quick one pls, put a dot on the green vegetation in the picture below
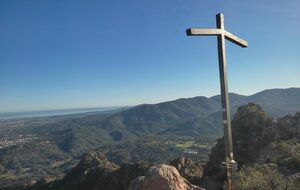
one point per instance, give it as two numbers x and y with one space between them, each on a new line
264 177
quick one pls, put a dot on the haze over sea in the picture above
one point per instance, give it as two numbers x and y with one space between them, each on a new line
44 113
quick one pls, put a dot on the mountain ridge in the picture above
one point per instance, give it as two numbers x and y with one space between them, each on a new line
165 116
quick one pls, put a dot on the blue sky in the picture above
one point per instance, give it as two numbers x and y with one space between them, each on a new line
58 54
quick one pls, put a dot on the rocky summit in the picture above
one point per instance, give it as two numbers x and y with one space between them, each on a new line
96 172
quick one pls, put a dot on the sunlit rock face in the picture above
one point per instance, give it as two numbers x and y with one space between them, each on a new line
162 177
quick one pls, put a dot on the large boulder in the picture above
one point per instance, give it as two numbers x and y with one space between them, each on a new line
162 177
248 126
94 171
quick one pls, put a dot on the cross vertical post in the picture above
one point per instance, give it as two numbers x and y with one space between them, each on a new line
222 34
225 101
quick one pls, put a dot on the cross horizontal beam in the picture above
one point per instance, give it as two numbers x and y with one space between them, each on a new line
214 32
234 39
203 32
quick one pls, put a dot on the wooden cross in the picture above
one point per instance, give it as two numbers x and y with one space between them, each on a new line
222 34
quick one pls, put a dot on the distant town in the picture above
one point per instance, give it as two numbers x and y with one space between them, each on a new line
6 141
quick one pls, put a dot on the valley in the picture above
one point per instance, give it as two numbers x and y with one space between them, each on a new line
46 148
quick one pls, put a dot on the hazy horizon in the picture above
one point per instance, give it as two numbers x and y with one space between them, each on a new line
121 106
